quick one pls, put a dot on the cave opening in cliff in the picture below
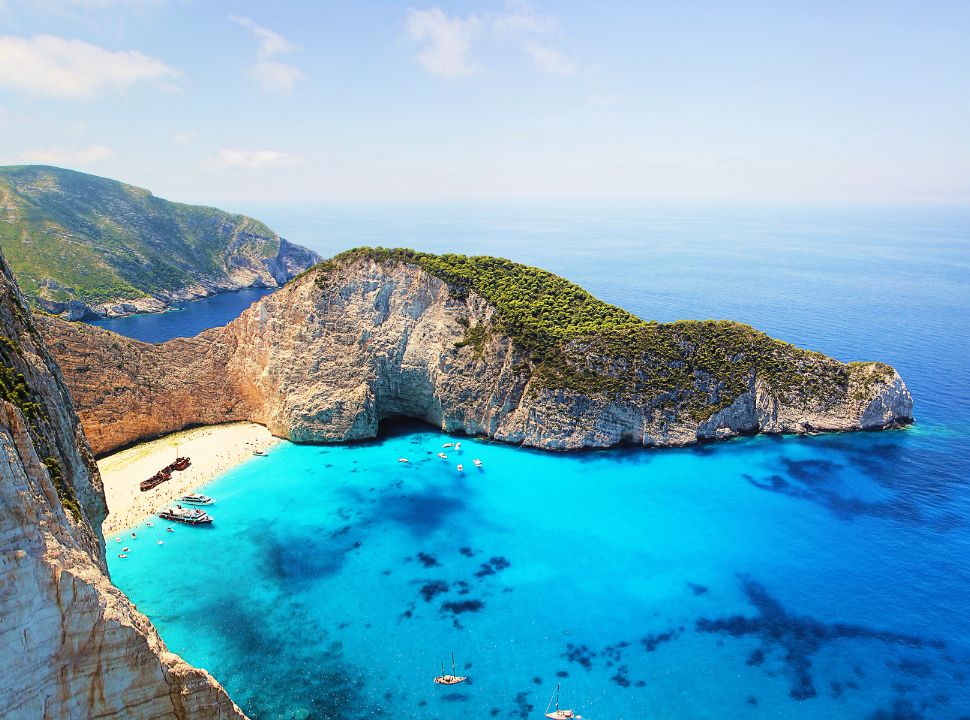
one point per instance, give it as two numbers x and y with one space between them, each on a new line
400 425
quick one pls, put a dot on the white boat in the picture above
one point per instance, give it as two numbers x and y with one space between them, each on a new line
448 445
442 456
259 453
457 446
558 714
197 499
188 516
403 460
451 679
461 468
478 463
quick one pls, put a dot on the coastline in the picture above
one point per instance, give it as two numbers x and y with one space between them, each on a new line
213 449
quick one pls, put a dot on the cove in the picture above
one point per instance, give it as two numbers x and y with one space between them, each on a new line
185 319
764 577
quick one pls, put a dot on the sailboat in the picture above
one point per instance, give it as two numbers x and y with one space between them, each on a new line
558 714
452 679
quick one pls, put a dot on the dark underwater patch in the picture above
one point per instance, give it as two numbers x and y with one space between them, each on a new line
697 589
522 705
652 642
432 589
582 655
798 637
459 607
493 566
427 560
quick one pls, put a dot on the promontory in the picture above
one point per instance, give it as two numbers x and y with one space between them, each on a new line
84 246
475 345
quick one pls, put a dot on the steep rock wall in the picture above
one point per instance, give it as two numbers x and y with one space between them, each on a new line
71 644
343 347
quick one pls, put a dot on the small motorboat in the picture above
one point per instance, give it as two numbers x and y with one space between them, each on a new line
452 679
403 460
457 446
558 714
122 556
259 453
448 445
187 516
478 463
461 468
442 456
197 499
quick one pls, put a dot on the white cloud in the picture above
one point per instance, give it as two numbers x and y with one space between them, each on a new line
56 66
63 156
448 41
274 76
269 73
550 60
233 158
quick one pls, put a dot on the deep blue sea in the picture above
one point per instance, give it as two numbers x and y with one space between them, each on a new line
822 577
185 319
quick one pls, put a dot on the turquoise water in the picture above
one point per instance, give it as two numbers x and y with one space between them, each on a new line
814 577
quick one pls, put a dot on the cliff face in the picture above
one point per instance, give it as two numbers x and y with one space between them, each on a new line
367 337
71 644
83 245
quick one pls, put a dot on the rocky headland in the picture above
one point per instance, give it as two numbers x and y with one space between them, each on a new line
476 345
71 644
84 246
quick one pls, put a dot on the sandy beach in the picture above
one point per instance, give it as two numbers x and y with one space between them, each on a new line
213 450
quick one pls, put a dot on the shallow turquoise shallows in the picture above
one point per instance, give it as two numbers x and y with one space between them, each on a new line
765 578
824 577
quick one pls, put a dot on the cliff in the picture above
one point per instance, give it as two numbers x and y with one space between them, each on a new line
476 345
82 245
71 644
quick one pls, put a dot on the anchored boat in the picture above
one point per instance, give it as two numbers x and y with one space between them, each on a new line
197 499
187 516
558 714
478 463
452 679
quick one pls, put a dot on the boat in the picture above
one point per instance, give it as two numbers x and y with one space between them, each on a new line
259 453
452 679
403 460
448 445
442 456
197 499
188 516
558 714
478 463
155 480
461 468
181 463
457 446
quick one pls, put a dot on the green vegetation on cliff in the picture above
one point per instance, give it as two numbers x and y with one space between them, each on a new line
579 343
72 236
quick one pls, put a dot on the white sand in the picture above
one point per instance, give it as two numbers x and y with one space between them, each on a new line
213 450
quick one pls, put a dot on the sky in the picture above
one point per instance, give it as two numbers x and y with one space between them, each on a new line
228 102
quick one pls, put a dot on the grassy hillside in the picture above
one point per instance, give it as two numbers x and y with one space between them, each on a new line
68 235
578 342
